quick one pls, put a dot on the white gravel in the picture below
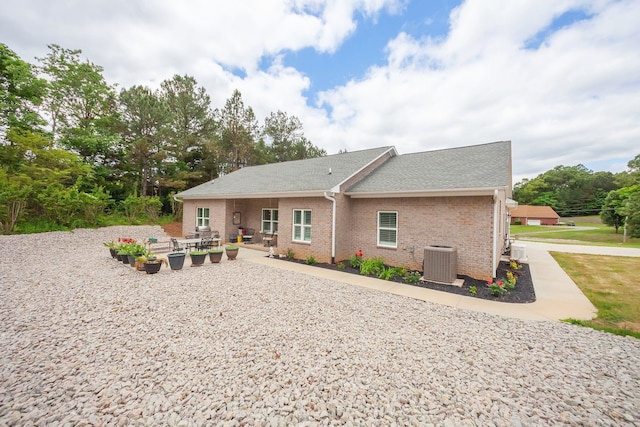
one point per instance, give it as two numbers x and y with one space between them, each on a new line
86 340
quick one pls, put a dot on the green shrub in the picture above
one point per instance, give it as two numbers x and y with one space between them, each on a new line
311 260
391 272
341 266
412 277
290 254
372 266
355 261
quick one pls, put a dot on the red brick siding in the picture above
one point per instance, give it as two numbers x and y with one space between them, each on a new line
465 223
217 213
320 245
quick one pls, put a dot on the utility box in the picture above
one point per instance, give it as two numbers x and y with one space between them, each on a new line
440 264
518 251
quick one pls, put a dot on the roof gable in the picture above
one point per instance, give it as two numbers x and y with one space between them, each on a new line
479 167
298 177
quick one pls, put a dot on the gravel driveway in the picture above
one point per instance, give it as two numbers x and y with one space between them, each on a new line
86 340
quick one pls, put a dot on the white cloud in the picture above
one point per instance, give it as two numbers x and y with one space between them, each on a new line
574 99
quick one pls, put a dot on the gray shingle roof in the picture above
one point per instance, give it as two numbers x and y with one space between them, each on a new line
475 167
298 176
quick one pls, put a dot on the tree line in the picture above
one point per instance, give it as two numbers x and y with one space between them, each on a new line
73 147
578 191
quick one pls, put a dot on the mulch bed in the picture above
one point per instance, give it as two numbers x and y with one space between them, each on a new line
523 292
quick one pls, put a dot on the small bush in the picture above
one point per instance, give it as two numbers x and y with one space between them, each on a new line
412 277
341 266
311 260
391 272
372 266
497 288
356 260
473 290
290 254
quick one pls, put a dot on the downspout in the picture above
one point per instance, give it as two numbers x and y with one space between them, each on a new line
496 206
333 225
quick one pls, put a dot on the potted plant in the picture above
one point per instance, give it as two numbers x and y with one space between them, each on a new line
122 248
215 255
176 260
197 257
232 252
112 248
150 263
133 250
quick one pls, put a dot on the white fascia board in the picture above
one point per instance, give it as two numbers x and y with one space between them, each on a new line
391 150
282 195
429 193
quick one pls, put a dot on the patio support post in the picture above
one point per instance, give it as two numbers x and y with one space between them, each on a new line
333 225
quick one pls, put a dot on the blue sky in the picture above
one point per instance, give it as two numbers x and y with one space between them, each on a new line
366 47
557 78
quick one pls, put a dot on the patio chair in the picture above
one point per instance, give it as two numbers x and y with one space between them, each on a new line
205 244
269 239
175 246
248 235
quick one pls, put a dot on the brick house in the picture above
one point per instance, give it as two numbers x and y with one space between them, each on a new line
534 215
385 204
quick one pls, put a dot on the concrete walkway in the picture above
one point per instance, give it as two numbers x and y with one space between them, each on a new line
557 296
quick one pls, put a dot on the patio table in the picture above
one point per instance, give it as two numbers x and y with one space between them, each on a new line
193 243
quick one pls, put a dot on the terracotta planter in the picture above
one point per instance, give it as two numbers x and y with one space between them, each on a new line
215 257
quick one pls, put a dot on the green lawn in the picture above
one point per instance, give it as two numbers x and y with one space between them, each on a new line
612 285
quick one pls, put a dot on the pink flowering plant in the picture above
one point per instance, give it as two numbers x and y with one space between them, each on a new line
497 288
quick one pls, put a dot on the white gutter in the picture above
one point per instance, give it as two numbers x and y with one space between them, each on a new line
175 197
333 225
496 206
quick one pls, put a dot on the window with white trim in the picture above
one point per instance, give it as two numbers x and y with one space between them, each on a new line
202 217
388 229
301 225
269 220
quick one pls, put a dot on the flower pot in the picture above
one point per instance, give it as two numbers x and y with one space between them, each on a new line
118 257
132 260
112 252
152 267
124 258
197 258
176 260
215 257
232 253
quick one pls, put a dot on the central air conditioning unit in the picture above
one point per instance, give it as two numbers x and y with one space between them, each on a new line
440 264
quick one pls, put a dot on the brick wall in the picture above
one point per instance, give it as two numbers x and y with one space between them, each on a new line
217 215
320 245
465 223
